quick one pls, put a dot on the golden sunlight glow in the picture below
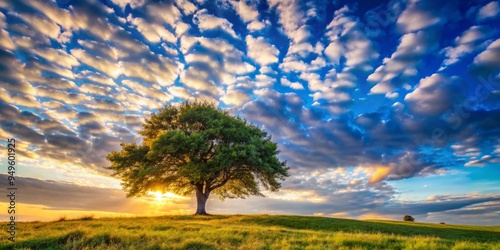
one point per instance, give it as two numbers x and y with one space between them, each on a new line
294 195
160 197
374 216
379 174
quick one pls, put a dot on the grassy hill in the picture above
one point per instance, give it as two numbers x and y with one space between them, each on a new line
248 232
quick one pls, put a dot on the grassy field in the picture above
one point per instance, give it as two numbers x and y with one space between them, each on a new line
248 232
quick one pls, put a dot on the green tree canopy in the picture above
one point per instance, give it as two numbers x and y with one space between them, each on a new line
408 218
195 147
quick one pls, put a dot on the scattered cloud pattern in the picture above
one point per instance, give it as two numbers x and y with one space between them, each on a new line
383 108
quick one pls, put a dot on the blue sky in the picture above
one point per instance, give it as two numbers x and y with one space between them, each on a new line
381 108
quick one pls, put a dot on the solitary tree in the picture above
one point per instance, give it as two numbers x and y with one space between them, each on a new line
408 218
195 147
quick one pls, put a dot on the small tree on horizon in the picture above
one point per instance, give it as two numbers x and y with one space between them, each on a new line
195 147
408 218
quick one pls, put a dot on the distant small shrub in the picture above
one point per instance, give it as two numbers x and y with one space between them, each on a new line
86 217
408 218
62 218
442 223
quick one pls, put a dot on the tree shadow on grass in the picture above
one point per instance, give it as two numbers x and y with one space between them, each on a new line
356 226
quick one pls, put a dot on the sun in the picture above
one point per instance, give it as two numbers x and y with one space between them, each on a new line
157 196
160 197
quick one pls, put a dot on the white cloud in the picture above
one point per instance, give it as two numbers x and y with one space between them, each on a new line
95 89
301 49
453 54
414 18
205 70
359 52
56 83
206 21
332 96
153 32
62 96
54 69
411 49
432 95
246 12
235 98
3 24
4 95
257 25
348 39
264 81
382 88
104 66
96 78
261 51
58 56
26 42
133 3
164 12
334 51
293 63
186 6
489 11
472 35
267 70
102 50
28 101
181 28
59 15
5 41
65 37
76 18
134 102
199 79
465 44
314 82
392 95
104 105
154 69
319 62
479 162
489 57
180 92
42 25
293 22
292 19
293 85
203 58
146 91
187 42
340 80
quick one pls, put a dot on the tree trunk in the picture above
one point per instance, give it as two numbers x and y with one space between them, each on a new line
201 200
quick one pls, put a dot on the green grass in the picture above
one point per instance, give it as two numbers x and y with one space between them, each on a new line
248 232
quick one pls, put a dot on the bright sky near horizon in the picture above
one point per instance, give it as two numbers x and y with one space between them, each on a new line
381 108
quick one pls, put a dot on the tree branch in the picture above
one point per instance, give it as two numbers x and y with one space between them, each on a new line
226 178
204 156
